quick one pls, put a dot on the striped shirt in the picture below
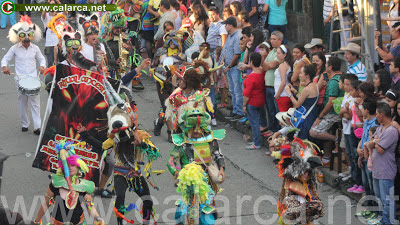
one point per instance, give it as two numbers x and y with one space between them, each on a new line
327 8
358 69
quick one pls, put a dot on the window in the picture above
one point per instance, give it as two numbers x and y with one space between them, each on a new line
296 6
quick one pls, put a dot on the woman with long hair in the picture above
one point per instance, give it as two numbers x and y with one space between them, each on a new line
306 98
256 38
284 56
319 60
236 7
200 23
382 82
299 54
277 19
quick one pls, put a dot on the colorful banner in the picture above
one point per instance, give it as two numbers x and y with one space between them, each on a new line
78 98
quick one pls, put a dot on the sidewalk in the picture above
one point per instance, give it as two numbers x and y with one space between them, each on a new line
257 157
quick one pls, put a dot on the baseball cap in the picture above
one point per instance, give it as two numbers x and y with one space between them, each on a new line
231 20
186 23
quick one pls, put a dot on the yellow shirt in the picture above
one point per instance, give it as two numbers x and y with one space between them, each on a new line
156 5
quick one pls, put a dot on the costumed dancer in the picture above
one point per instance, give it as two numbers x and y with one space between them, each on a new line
121 41
67 190
172 51
134 153
26 54
92 49
299 201
196 143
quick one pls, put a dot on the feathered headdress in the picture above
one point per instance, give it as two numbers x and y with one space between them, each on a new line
296 159
25 26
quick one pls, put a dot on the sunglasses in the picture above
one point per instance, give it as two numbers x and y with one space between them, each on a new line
22 35
71 43
87 24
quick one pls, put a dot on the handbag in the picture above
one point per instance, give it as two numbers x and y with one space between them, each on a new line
357 131
212 169
300 114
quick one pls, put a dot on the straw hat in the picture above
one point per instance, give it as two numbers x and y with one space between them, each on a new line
314 42
282 116
352 47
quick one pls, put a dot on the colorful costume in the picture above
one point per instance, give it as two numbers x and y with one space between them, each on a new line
195 155
77 188
130 157
129 58
299 202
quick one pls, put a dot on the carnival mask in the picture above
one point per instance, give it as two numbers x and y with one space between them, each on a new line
117 18
72 41
89 26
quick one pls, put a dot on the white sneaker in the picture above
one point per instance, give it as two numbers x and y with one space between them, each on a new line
214 122
345 174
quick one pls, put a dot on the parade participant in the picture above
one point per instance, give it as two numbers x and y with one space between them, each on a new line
196 143
116 45
67 190
173 50
26 54
299 201
189 87
120 46
132 149
92 49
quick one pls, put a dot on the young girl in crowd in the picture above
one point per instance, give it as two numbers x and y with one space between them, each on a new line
284 56
236 7
222 84
226 13
391 98
355 137
382 83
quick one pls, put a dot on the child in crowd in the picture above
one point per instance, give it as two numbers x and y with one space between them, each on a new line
284 122
226 13
369 114
264 49
355 135
173 47
242 46
222 83
205 49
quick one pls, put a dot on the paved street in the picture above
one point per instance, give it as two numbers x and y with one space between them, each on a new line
250 190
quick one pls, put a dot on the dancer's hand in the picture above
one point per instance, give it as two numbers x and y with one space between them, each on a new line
99 221
6 70
222 173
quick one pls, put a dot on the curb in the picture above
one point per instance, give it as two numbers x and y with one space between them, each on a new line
331 177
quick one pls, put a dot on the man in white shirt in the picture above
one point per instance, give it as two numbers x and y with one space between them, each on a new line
51 38
92 49
26 54
354 64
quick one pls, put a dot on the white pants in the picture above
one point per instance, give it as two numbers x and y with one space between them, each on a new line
34 102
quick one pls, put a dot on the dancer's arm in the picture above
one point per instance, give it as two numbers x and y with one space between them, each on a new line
92 210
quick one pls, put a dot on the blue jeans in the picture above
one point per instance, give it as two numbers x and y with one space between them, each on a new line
212 96
367 182
352 155
384 191
256 117
281 28
235 87
4 19
272 108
